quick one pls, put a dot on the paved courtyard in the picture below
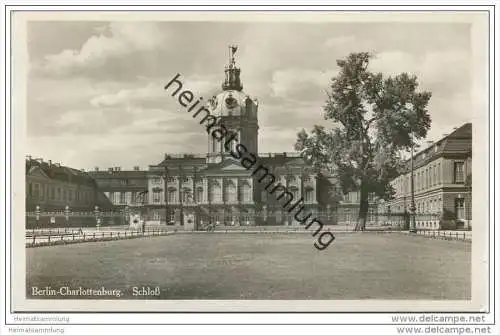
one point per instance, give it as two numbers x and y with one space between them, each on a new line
260 266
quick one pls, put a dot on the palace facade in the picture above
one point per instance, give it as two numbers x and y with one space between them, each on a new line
219 187
216 185
54 187
442 184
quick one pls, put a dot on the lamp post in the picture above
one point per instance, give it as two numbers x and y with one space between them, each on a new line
412 191
165 187
66 214
37 216
97 219
181 195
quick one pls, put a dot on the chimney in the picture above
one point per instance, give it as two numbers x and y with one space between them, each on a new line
82 170
50 162
455 128
28 157
96 169
110 169
136 168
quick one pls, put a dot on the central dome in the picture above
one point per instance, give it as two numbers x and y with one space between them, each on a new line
230 102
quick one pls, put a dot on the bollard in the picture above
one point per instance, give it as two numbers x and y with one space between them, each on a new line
73 236
48 239
34 239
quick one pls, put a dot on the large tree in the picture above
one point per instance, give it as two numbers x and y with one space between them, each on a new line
375 118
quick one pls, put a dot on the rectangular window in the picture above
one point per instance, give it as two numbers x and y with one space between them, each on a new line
70 195
459 172
199 195
308 195
122 197
439 178
460 208
172 196
42 192
427 177
156 197
435 170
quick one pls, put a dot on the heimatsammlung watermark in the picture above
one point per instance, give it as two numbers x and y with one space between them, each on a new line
249 161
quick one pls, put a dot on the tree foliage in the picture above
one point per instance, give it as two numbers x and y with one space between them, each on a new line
374 119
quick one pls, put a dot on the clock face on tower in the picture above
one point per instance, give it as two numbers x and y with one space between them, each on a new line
231 102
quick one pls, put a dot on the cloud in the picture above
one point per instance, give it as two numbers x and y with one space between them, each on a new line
96 97
443 72
118 40
301 84
340 41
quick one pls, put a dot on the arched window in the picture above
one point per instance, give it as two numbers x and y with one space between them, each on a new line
215 192
186 194
295 192
245 192
308 194
172 195
199 194
230 192
214 144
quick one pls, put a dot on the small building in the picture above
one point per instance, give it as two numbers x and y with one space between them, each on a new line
122 187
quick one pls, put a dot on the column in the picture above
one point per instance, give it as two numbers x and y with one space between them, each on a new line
179 188
313 178
205 189
238 193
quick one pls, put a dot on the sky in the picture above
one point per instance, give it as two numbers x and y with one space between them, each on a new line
95 89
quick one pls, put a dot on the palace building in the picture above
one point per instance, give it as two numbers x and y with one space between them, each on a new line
442 184
54 187
218 188
217 184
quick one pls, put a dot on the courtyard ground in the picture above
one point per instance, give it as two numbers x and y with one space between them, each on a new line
260 266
